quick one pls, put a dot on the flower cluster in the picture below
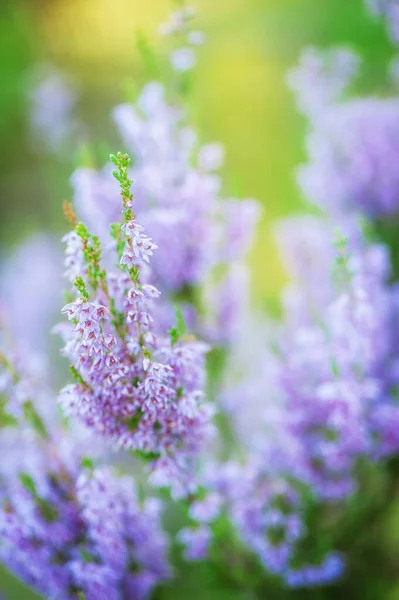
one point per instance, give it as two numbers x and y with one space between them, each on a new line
321 78
53 100
351 146
67 527
321 401
74 532
351 143
140 389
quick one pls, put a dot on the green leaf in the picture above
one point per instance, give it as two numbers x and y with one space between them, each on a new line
87 463
81 287
179 329
28 483
87 557
146 456
35 420
76 375
181 325
134 421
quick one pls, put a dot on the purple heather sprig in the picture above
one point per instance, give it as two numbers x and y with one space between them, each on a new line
321 78
351 142
80 532
141 390
53 99
30 292
351 148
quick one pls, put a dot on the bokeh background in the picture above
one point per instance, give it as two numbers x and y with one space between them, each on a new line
239 97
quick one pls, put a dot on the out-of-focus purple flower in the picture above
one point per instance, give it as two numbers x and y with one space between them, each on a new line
240 218
211 157
321 78
29 291
205 511
306 247
335 366
178 21
183 59
228 301
322 399
389 11
353 151
329 570
94 198
53 101
196 542
66 532
351 143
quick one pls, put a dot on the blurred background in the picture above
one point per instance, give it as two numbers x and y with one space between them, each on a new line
239 98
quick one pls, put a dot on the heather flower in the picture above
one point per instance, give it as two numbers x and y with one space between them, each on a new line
229 301
351 142
322 399
140 389
29 294
178 21
306 248
80 533
183 59
335 369
211 157
206 510
70 529
140 246
329 571
53 100
351 148
196 542
73 262
321 78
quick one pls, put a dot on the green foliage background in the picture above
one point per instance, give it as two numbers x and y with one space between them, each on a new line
239 97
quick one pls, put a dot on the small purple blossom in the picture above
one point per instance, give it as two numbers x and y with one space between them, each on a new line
183 59
53 99
205 511
196 542
321 78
